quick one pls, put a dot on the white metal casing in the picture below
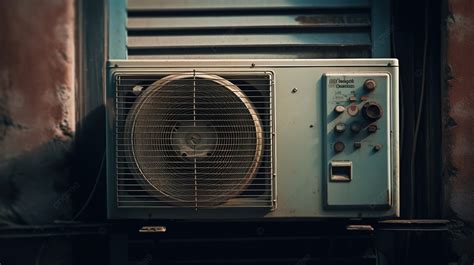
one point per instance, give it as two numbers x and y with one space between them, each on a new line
303 139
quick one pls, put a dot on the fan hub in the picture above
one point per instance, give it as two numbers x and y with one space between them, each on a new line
194 139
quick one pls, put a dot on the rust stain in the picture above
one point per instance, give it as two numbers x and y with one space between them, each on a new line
324 20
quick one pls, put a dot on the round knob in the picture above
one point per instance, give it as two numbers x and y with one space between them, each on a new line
356 127
339 109
339 146
372 111
370 84
372 128
340 127
353 110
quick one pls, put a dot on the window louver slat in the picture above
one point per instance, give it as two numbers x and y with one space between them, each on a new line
222 4
296 21
248 29
287 40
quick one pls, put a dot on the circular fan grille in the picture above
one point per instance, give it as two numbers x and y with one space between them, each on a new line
195 138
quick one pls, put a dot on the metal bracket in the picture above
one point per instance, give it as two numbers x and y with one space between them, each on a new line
54 230
423 225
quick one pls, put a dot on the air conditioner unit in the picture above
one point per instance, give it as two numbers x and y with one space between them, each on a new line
252 139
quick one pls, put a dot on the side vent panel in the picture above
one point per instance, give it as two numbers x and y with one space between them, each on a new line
194 140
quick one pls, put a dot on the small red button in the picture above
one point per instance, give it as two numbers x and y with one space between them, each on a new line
353 110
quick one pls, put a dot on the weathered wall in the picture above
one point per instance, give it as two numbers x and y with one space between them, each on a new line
36 109
460 125
461 100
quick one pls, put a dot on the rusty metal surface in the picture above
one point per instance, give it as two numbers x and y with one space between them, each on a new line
52 230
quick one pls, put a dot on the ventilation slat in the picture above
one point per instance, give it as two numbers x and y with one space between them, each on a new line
139 5
285 40
249 22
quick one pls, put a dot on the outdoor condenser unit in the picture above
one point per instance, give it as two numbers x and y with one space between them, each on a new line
252 139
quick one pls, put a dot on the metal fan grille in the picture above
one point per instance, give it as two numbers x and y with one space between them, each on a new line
195 140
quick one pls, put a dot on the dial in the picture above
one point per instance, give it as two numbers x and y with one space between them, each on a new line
370 85
372 111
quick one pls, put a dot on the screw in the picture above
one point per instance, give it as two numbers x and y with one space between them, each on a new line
311 126
377 147
137 90
252 65
294 90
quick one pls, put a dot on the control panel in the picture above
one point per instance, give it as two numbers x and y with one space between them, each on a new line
357 140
